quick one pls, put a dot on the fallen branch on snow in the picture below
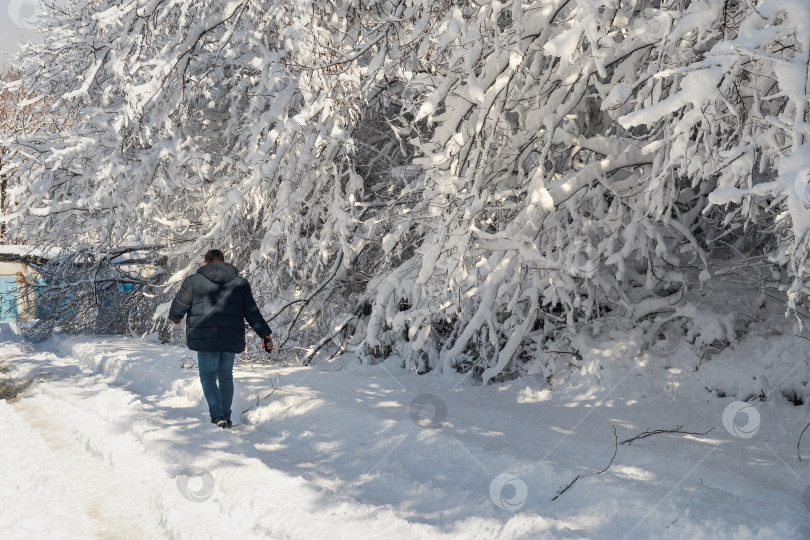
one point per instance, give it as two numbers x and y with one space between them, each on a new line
798 451
615 451
258 399
679 429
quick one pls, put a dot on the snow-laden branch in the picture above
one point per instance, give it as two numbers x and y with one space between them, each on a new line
492 178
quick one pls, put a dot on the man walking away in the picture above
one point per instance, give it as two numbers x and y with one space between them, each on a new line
218 301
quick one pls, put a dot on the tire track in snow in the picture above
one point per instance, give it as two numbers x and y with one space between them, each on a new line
95 487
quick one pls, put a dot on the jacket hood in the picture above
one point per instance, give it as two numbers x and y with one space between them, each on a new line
218 272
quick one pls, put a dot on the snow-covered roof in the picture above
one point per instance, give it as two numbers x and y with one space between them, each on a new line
21 251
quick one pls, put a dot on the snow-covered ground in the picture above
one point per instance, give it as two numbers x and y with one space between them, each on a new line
109 438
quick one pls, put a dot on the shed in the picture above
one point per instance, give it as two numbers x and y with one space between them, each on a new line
16 301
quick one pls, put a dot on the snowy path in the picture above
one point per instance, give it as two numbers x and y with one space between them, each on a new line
100 445
94 486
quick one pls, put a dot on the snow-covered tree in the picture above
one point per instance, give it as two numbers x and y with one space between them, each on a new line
18 118
469 185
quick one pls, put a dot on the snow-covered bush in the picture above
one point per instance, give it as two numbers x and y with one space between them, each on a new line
465 184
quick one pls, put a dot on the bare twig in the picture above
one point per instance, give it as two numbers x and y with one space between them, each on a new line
615 451
798 452
566 488
679 429
259 399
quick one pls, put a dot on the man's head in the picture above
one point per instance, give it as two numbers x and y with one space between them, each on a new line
214 255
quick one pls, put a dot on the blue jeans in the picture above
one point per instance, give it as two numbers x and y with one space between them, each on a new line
215 366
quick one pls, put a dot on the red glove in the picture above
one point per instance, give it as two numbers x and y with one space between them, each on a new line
175 322
267 344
